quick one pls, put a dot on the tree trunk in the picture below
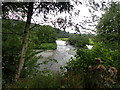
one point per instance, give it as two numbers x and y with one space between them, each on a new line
25 40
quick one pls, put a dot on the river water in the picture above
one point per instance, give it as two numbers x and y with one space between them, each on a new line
62 55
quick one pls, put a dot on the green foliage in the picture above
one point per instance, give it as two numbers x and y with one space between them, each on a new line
79 40
31 66
52 80
12 43
108 33
64 39
109 26
91 41
11 47
62 34
73 39
42 34
83 69
48 46
49 80
85 58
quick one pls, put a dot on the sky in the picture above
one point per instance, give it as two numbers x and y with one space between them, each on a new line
78 18
75 19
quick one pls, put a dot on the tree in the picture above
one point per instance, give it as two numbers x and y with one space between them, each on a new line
28 7
42 34
11 47
25 39
109 26
108 30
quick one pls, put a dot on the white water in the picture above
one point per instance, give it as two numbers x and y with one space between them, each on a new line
89 46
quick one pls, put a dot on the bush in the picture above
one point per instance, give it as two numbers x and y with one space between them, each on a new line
79 40
86 58
51 80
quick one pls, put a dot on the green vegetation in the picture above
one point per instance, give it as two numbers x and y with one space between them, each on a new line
109 26
100 66
11 48
48 46
64 39
39 81
41 37
94 68
62 34
51 80
81 40
91 41
108 33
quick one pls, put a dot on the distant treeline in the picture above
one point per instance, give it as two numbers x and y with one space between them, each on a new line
81 40
62 34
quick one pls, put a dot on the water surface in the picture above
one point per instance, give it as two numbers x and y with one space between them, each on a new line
62 54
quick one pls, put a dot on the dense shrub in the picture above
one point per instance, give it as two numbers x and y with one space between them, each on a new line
79 40
106 48
86 58
50 80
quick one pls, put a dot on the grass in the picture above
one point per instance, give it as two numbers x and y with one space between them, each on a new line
51 80
64 39
39 81
48 46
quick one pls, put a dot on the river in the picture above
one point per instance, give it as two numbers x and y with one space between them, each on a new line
62 54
